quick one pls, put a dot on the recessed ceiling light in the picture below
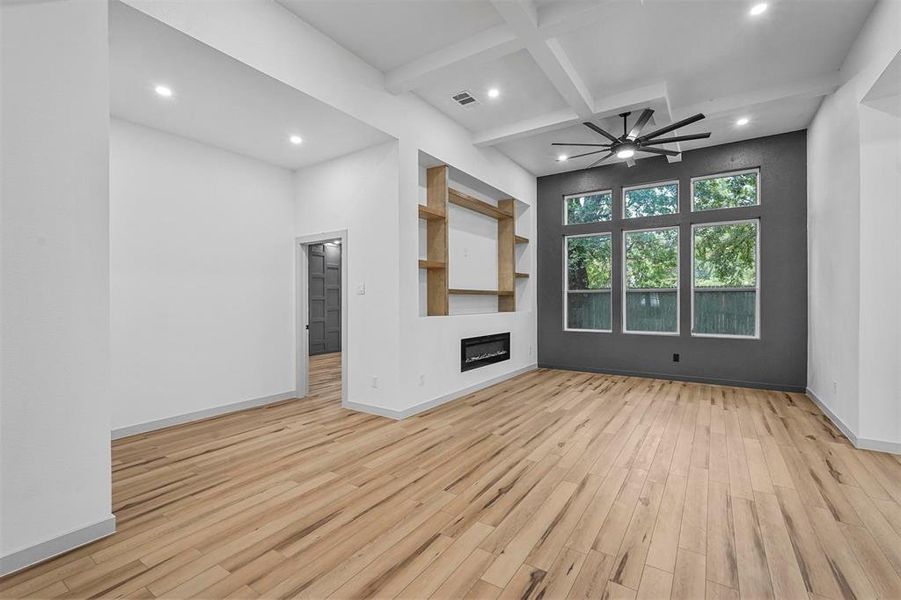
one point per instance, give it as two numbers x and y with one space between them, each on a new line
296 140
743 121
562 157
162 90
494 93
759 9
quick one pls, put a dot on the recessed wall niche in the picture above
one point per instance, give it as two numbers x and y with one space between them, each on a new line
472 244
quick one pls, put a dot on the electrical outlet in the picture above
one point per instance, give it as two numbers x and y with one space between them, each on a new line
835 388
675 357
421 379
375 382
361 289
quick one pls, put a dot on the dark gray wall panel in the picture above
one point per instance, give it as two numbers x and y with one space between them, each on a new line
778 359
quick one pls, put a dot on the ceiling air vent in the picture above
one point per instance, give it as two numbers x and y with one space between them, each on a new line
464 98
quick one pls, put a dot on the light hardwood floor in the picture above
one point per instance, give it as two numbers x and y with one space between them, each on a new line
325 375
552 484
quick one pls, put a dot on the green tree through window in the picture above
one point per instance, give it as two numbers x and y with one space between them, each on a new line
652 259
726 255
589 266
728 191
725 279
652 280
589 262
660 199
589 208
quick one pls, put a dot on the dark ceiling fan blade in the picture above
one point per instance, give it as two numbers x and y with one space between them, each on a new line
597 129
642 120
680 138
659 151
580 144
600 160
586 154
672 127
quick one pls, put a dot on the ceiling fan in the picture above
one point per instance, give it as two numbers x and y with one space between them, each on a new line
631 141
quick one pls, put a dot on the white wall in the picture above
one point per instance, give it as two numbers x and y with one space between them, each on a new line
833 232
430 372
358 193
304 58
54 273
202 276
848 222
880 274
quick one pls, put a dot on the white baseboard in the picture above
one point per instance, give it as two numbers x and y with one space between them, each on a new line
370 409
430 404
20 559
206 413
862 443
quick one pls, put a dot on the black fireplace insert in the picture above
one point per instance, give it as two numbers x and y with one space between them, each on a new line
484 350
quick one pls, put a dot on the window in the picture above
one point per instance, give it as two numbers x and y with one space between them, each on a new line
725 191
652 280
650 200
725 278
588 208
589 264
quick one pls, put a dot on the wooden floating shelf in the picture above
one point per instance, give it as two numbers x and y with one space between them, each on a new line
432 264
428 214
474 204
436 262
435 214
459 292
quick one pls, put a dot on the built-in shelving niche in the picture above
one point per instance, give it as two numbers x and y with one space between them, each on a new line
473 254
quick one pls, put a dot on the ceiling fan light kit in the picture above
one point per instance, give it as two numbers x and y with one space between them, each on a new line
631 141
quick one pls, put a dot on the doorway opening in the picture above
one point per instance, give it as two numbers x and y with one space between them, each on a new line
322 316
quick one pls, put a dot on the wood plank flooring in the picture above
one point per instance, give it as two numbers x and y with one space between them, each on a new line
325 375
553 484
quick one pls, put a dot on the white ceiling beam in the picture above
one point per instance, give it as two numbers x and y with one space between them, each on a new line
655 96
649 96
564 19
564 77
547 122
484 46
548 55
488 45
815 87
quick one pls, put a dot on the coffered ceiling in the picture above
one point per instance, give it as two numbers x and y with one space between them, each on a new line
556 63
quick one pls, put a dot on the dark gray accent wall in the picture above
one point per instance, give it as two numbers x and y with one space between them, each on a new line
778 359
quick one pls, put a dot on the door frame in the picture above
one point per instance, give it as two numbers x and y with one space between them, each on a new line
302 366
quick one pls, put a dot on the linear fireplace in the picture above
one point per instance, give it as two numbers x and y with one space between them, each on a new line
484 350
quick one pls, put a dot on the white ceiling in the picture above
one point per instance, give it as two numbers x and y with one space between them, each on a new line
710 49
886 92
516 74
218 100
389 33
560 62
